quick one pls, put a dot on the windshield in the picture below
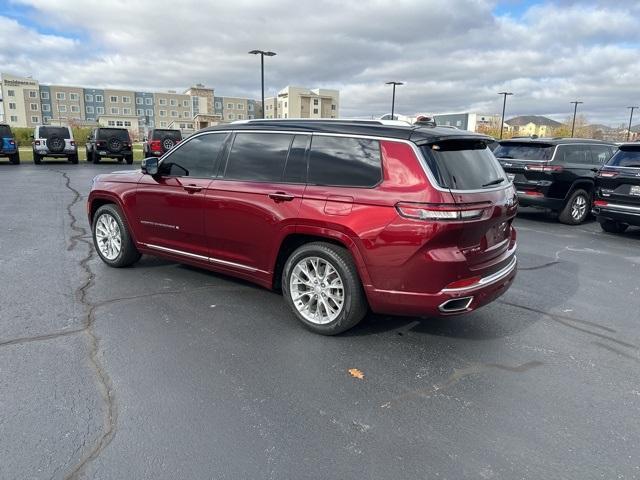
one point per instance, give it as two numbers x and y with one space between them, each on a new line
463 165
524 151
161 134
119 133
5 131
627 156
48 132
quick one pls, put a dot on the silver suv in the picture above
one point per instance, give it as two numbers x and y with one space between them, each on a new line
54 142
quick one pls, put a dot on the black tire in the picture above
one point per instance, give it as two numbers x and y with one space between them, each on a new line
119 160
611 226
74 159
87 155
129 159
167 143
95 158
575 216
37 159
355 303
114 145
128 254
15 159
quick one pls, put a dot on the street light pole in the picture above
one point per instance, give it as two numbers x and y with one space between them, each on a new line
630 120
393 96
262 54
504 107
575 110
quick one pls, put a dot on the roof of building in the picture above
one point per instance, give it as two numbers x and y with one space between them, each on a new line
535 119
379 128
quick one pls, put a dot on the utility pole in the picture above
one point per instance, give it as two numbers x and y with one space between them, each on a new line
504 107
393 96
262 54
575 110
630 120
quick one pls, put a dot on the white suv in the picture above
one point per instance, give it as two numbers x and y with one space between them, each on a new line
54 142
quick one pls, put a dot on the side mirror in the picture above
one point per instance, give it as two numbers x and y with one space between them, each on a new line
149 166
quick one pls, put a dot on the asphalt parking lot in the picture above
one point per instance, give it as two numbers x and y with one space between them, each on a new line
165 371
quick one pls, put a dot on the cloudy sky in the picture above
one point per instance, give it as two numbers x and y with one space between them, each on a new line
453 55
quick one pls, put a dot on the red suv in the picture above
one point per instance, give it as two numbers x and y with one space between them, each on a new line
341 216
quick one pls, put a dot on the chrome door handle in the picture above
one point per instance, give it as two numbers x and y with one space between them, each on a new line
281 197
192 188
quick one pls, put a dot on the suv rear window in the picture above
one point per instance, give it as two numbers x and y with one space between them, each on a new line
345 162
48 132
626 156
524 151
160 134
119 133
5 131
463 165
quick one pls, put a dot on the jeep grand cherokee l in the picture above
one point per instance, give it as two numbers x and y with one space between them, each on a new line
557 174
160 141
54 142
341 216
617 199
109 143
8 145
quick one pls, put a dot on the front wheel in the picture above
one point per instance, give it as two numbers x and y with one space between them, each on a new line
576 209
611 226
112 239
36 158
129 159
74 159
95 158
14 159
321 285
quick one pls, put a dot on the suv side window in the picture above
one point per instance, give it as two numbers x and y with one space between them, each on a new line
295 170
600 154
258 157
341 161
197 157
573 154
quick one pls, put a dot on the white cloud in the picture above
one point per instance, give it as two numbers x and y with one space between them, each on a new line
452 55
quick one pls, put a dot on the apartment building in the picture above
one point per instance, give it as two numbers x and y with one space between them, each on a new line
528 125
171 106
300 102
20 101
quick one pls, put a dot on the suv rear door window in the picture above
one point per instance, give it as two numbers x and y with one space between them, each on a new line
577 154
600 154
258 157
464 165
524 151
5 131
196 157
347 162
119 133
627 156
48 132
296 169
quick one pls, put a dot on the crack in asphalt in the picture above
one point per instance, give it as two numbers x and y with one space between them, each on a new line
540 267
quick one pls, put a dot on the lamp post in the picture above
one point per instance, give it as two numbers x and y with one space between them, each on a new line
630 120
262 54
575 110
393 96
504 107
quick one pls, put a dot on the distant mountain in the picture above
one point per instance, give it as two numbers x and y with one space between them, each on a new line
536 119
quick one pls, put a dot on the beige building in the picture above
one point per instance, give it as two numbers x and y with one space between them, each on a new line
20 102
300 102
171 107
120 103
528 125
67 103
117 121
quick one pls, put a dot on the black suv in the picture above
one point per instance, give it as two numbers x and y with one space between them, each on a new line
109 143
555 173
160 141
8 145
617 194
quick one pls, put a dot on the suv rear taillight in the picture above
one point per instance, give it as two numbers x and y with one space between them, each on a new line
73 144
101 143
12 142
156 145
607 173
37 142
543 168
441 212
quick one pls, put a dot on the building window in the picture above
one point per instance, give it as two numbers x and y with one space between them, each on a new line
126 111
240 106
240 116
75 108
173 102
14 118
99 98
186 115
315 110
100 110
151 123
174 113
230 106
89 109
333 107
45 119
60 96
35 119
88 97
250 107
163 101
44 95
149 112
62 108
46 107
285 115
185 103
285 104
11 93
163 124
139 112
34 107
127 123
73 97
139 100
218 105
182 125
315 101
163 113
126 99
115 111
119 123
230 116
113 99
12 106
111 123
148 101
33 94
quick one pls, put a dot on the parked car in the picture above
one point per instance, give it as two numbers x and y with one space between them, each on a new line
109 143
557 174
159 141
54 142
617 199
341 216
8 145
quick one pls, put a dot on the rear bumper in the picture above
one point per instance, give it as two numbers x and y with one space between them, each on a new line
618 212
108 154
469 298
534 199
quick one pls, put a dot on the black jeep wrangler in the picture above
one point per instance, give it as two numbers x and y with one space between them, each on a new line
109 143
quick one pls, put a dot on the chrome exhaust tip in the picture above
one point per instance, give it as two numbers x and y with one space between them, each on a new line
456 305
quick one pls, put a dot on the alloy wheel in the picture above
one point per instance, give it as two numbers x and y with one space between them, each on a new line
108 236
579 207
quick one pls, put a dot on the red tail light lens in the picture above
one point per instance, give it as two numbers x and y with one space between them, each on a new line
543 168
464 283
155 145
440 212
600 203
607 173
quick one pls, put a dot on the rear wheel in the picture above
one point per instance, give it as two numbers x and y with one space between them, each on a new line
611 226
321 285
129 159
95 158
36 158
74 158
15 158
112 239
576 209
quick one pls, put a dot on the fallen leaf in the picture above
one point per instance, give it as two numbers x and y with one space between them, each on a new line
354 372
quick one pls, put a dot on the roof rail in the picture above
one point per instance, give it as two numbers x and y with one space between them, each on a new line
401 123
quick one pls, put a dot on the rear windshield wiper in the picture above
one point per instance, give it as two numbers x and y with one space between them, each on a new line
505 156
493 182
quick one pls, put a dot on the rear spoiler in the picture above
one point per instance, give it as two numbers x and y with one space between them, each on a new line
439 138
